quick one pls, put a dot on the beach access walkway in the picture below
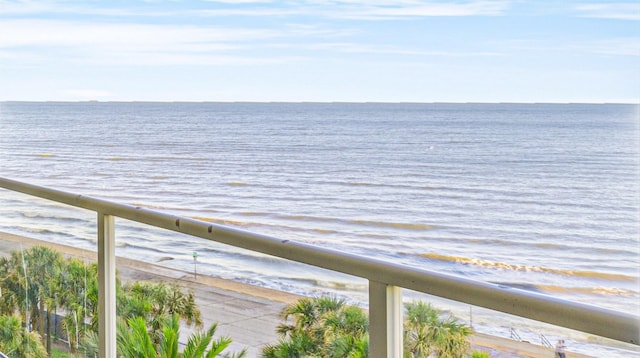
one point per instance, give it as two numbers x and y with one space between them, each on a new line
248 314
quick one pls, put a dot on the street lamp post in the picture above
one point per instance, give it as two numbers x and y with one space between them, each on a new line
195 264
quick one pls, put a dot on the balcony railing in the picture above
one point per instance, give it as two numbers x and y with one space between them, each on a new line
385 279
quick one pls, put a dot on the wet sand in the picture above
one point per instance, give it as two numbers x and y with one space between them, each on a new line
248 314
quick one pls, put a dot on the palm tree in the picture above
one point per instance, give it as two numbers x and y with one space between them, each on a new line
15 341
419 317
38 281
12 287
134 341
16 288
426 333
76 278
452 340
29 280
307 314
156 302
322 327
294 346
43 265
346 332
327 327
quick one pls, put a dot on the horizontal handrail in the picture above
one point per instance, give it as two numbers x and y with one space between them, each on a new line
579 316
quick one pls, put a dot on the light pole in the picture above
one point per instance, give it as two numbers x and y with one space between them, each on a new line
195 264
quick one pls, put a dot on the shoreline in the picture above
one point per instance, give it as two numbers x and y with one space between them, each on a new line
248 314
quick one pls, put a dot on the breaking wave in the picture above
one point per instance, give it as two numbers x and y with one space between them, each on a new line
527 268
581 290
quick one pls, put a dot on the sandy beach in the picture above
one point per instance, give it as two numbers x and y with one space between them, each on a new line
248 314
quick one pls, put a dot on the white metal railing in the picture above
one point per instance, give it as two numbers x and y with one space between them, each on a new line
385 279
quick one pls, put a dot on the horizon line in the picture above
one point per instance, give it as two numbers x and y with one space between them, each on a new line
313 102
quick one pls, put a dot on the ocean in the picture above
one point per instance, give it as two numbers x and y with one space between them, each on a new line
543 197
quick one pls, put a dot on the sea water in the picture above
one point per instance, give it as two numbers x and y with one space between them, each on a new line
543 197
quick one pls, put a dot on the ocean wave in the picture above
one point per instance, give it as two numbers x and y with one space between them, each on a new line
32 215
326 231
598 290
145 248
323 230
527 268
370 223
604 291
39 230
278 226
166 207
224 221
544 245
254 213
342 286
51 234
395 225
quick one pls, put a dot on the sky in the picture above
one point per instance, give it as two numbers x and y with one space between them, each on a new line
321 51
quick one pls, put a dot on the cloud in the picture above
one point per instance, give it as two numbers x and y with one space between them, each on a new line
78 33
133 44
346 47
398 9
240 1
351 9
612 47
619 11
27 7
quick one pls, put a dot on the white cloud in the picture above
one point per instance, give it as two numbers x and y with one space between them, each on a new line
612 47
23 7
620 11
26 7
134 44
396 9
64 48
353 9
347 47
240 1
76 33
623 46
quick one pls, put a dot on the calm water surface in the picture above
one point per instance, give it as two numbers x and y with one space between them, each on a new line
540 197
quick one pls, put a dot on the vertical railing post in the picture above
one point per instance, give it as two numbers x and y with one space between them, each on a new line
385 320
106 286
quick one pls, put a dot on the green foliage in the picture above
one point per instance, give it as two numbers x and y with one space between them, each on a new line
321 327
169 339
30 279
60 354
135 341
89 345
39 280
327 327
157 302
480 354
15 341
426 332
